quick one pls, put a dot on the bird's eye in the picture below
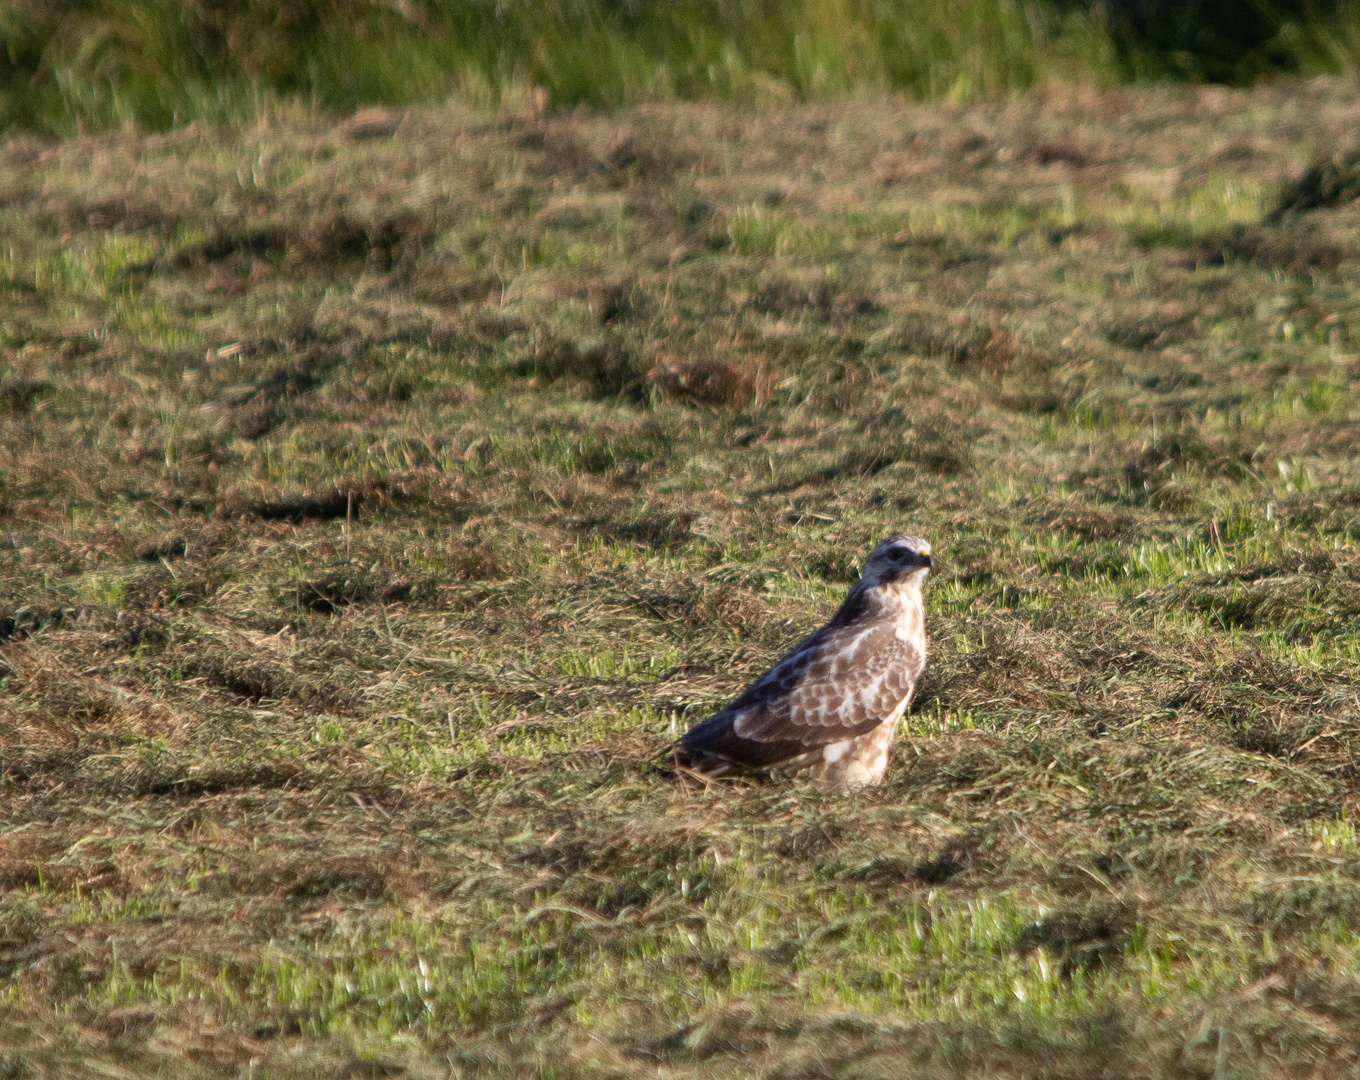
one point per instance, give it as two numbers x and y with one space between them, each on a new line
897 554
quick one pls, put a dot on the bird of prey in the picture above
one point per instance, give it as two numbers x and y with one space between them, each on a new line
832 705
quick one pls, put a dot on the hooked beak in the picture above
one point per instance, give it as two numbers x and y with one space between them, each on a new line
927 561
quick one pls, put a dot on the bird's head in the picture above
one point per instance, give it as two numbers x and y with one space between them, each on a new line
898 559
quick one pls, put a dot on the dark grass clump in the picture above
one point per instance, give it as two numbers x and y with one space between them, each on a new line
324 507
1332 182
170 548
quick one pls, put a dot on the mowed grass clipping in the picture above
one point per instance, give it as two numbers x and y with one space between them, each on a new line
379 500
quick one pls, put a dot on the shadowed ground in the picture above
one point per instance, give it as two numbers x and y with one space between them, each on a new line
379 499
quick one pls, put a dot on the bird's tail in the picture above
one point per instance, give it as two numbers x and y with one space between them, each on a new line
681 759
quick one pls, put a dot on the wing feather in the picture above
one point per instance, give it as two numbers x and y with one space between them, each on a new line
841 682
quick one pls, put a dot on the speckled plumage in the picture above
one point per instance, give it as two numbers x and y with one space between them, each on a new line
832 705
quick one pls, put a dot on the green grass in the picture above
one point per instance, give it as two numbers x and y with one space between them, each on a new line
70 66
77 65
378 508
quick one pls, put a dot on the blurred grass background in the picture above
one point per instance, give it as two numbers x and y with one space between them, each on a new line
85 65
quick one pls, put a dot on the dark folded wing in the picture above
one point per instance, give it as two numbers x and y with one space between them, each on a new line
843 681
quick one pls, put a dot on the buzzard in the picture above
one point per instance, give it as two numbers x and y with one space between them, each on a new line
832 705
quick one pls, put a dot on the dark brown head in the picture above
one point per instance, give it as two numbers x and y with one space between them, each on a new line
904 559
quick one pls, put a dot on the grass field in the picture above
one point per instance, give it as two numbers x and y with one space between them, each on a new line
379 498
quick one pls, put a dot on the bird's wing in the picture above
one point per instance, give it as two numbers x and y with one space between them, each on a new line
843 681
